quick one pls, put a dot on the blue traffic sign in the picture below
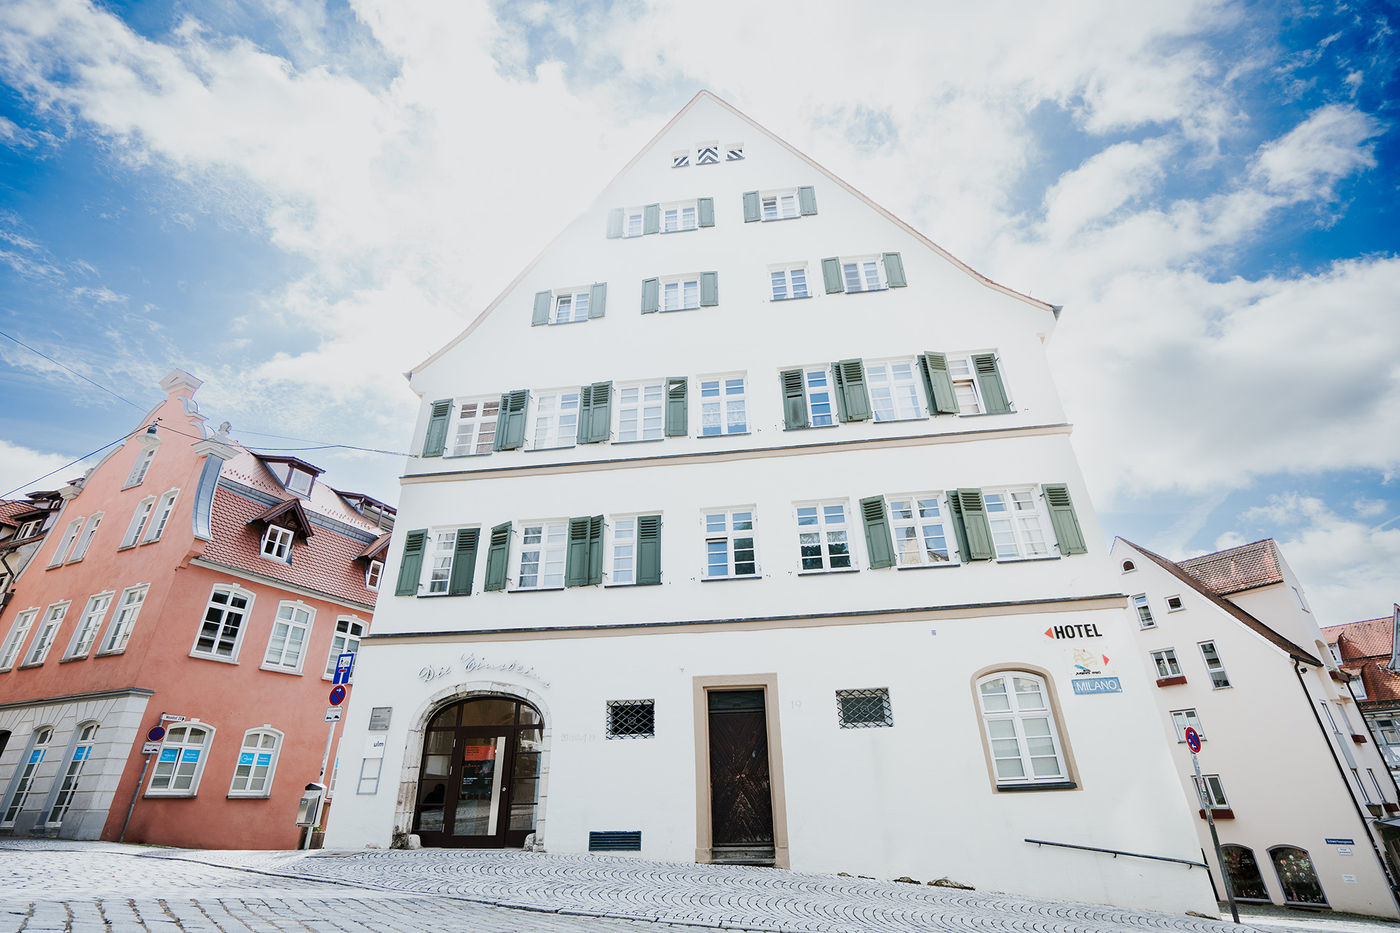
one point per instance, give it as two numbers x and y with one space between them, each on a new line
156 734
1193 740
337 695
344 664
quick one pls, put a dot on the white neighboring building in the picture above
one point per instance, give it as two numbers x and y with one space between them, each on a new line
1298 789
747 528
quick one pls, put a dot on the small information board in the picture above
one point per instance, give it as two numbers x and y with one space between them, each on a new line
333 714
150 748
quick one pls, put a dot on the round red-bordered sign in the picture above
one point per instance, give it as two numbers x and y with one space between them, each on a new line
337 695
1193 740
156 734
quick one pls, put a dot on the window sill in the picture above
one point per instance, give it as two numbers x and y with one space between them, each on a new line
279 670
863 291
792 298
1043 785
822 573
609 586
680 230
777 220
530 450
674 310
730 434
126 547
263 796
169 794
640 440
75 560
985 414
1223 687
733 576
874 420
943 565
814 427
29 664
276 560
83 657
210 657
1171 681
1177 609
1147 628
110 654
465 456
1219 813
1358 739
536 589
1026 560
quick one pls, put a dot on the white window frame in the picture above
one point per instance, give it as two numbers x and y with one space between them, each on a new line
1017 521
140 467
28 529
293 485
1218 669
70 535
344 639
290 617
721 398
966 390
89 624
33 759
556 437
277 544
1183 719
180 748
858 269
1022 731
647 410
124 619
916 525
1358 688
811 388
84 540
225 609
469 429
1180 603
895 382
250 757
686 216
72 774
784 202
144 509
574 300
441 553
721 527
785 281
1143 607
54 617
821 524
1165 660
14 640
1209 789
621 549
673 292
633 218
160 516
551 547
374 572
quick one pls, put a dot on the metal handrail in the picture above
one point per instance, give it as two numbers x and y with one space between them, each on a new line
1117 852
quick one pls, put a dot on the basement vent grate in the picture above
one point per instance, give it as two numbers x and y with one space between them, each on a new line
615 841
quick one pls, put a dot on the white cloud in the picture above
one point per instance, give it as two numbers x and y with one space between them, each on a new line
21 469
1370 508
1332 143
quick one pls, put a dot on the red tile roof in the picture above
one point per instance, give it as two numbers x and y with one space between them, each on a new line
9 508
1237 568
325 562
1369 638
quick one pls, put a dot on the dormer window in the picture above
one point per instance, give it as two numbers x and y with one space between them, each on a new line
277 544
376 567
29 529
299 482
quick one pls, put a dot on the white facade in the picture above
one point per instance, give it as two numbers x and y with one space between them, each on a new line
1287 755
913 788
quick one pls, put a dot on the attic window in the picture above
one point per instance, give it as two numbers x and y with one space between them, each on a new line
277 544
299 482
680 159
1129 566
707 154
735 152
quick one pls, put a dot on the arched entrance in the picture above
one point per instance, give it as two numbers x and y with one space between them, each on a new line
479 781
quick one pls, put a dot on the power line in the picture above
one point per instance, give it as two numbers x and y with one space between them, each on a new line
69 464
73 371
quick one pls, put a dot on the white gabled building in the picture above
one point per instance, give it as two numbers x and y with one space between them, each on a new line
1298 790
747 528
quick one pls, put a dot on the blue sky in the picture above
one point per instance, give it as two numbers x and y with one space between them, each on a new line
298 201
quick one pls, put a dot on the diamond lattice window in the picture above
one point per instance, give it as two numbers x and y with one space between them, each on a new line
864 709
631 719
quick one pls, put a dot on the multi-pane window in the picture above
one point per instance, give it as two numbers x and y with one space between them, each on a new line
624 551
789 282
965 386
631 719
780 205
1218 677
181 761
139 468
723 407
15 639
1183 719
53 618
163 511
348 632
1166 663
730 544
919 524
68 788
28 529
680 294
821 410
1018 529
542 546
632 222
894 391
277 544
222 629
125 619
69 536
290 631
676 217
556 419
641 412
80 547
862 275
476 427
1144 611
88 626
138 521
822 536
257 760
25 784
372 574
440 566
570 307
1021 729
1211 791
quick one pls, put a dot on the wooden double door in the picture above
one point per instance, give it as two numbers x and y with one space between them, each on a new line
478 785
741 792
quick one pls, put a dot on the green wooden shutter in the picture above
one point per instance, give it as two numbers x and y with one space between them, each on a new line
498 557
598 299
463 562
595 413
942 400
709 289
651 295
1066 524
595 549
676 406
994 398
436 438
878 543
542 302
585 408
705 210
651 218
831 275
850 390
411 566
750 206
510 424
614 223
648 549
583 562
806 200
894 271
970 522
794 399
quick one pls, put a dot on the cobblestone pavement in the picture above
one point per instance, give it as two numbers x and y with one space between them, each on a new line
82 887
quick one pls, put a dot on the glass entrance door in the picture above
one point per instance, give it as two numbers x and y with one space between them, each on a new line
479 786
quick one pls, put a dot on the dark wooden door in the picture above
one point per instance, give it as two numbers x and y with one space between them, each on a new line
741 801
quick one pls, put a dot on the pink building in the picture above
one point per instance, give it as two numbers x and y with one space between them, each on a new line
191 584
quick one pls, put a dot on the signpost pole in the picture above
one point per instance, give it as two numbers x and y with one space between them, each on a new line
1215 838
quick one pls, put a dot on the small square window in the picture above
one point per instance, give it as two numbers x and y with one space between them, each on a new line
864 709
707 154
631 719
1174 604
734 152
680 159
277 544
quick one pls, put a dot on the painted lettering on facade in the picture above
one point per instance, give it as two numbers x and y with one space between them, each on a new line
1073 631
470 663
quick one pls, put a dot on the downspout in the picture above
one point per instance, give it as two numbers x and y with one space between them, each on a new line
1380 860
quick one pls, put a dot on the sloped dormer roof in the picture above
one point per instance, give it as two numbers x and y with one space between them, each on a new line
288 514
